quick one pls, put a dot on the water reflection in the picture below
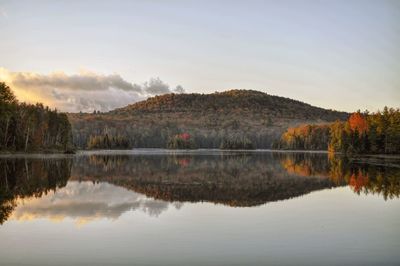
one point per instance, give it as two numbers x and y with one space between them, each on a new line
85 202
29 178
235 180
364 176
90 187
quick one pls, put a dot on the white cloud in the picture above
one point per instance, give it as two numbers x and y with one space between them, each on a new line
156 86
86 81
86 91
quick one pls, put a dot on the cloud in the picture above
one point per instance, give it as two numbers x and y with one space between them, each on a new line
86 91
86 81
156 86
85 202
179 89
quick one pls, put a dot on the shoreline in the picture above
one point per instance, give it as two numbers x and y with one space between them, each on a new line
161 151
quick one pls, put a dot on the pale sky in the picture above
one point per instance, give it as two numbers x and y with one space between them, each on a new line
85 55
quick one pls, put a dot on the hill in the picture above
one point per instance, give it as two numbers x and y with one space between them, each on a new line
232 100
208 119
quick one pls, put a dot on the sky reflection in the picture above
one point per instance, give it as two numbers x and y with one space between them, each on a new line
85 202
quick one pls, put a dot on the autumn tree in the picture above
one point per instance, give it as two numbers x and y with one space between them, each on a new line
306 137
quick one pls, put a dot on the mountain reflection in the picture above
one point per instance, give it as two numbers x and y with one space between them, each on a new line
90 187
235 180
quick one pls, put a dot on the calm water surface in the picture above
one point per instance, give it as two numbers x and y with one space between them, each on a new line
198 208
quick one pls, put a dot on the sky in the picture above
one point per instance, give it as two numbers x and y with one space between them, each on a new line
86 55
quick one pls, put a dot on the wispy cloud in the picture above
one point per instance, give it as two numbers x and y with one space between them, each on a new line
87 81
85 91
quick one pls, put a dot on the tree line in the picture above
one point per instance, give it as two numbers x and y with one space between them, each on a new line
106 142
365 132
305 137
90 133
31 127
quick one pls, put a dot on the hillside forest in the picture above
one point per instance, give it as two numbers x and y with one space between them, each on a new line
236 119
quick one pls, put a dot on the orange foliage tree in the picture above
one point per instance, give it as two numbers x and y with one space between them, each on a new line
358 123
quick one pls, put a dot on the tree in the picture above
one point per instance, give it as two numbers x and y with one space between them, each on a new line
8 102
6 94
358 123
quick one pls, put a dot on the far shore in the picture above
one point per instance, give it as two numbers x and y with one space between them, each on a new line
160 151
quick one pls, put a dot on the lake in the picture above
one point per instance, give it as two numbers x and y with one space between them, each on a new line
209 207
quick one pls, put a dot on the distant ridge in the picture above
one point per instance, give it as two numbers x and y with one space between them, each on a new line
247 100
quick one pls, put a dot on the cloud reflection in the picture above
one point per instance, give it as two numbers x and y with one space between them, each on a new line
87 201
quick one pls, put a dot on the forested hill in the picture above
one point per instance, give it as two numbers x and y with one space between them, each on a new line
232 100
231 119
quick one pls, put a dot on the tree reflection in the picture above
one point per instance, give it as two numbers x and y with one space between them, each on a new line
361 175
238 179
229 178
22 178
